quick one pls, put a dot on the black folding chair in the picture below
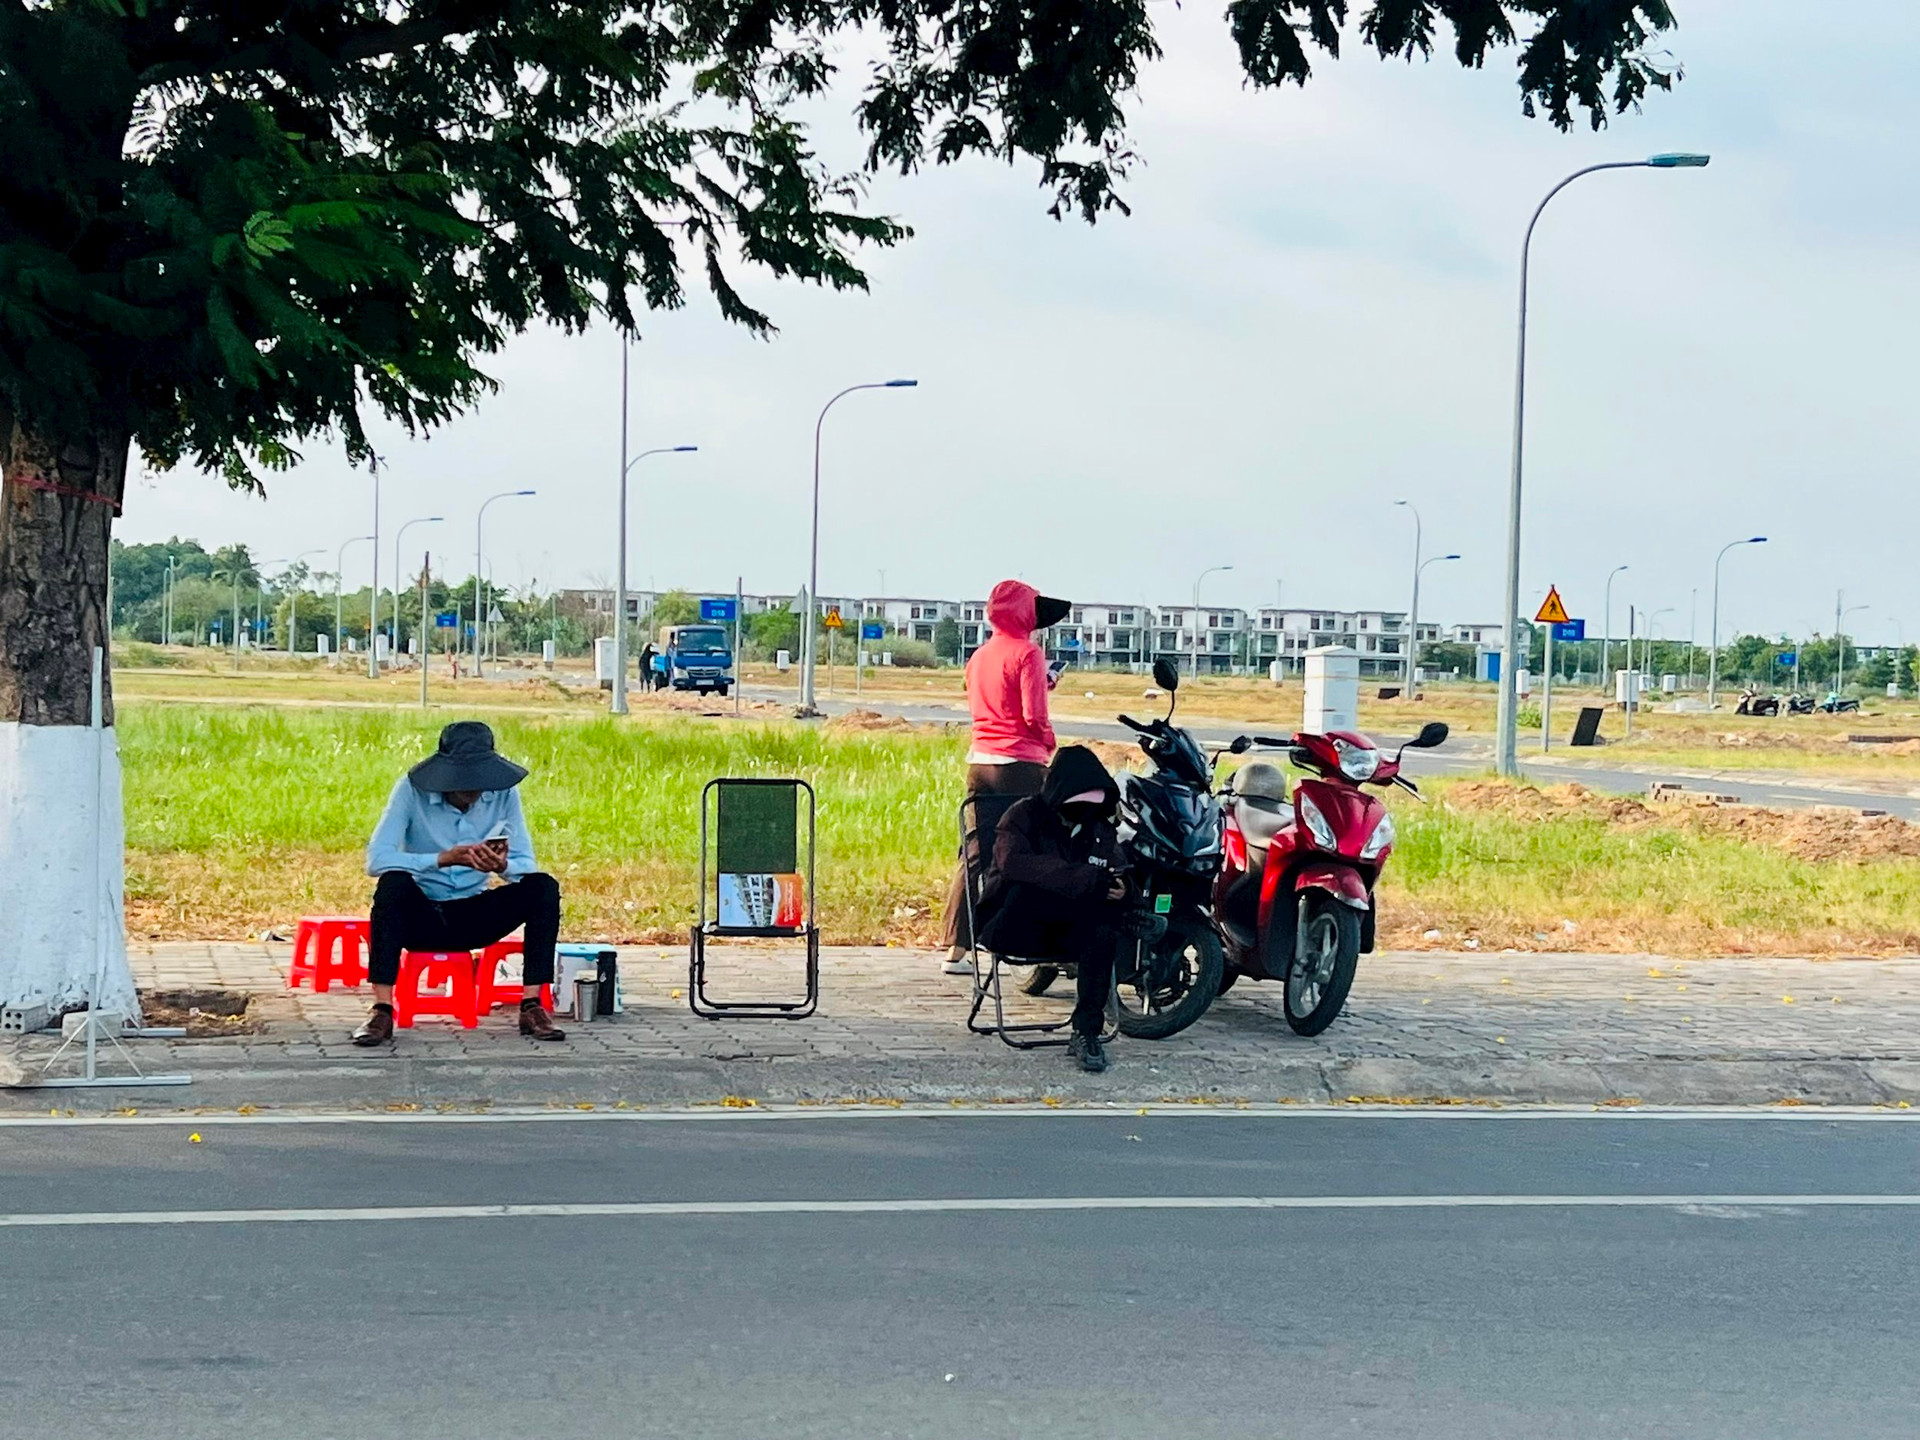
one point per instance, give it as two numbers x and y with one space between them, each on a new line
980 817
759 890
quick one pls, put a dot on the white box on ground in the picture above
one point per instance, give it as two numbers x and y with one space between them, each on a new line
1332 689
323 645
380 645
1626 687
782 660
546 653
1669 684
413 645
603 661
1523 681
1273 671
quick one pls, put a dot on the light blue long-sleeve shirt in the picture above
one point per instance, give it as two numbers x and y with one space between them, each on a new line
416 826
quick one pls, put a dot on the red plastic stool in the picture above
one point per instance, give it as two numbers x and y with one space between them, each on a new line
423 969
490 991
329 949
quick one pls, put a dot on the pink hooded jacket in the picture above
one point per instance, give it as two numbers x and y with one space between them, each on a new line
1007 680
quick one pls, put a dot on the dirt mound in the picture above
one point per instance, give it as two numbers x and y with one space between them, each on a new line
1116 755
1817 836
865 720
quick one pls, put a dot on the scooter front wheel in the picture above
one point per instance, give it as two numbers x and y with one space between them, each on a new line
1163 986
1321 971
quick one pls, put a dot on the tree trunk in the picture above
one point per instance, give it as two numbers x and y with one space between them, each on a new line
61 825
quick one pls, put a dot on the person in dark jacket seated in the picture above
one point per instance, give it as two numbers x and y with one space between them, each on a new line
1056 890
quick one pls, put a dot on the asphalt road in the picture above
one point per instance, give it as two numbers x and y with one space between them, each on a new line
1196 1275
1455 758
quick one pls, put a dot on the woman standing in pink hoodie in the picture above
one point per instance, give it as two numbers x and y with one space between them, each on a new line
1007 686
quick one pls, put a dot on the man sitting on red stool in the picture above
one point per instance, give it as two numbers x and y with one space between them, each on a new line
452 823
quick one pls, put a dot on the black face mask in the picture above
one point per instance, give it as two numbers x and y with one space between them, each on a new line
1082 813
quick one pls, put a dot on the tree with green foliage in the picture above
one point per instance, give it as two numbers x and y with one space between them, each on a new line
230 226
947 642
676 607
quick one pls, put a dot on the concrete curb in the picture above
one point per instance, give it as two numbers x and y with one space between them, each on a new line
1136 1078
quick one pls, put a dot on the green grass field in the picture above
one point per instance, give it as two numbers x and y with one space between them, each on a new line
244 816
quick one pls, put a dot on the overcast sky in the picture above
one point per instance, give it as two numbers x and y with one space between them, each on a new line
1309 315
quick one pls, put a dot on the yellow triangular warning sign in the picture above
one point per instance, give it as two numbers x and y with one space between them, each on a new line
1553 610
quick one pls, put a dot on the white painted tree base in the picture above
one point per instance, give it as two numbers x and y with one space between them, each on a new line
56 892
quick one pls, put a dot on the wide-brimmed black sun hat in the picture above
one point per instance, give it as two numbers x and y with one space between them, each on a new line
466 760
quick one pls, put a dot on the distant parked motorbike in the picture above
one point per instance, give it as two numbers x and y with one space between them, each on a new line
1835 704
1752 702
1294 899
1798 704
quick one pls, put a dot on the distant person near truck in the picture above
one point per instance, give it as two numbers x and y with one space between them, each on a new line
1007 685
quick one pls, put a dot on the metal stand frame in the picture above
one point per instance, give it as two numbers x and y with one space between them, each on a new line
709 928
96 1027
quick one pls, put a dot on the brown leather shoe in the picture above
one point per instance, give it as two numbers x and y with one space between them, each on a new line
536 1023
378 1029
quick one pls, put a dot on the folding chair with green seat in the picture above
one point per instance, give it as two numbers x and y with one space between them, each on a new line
750 831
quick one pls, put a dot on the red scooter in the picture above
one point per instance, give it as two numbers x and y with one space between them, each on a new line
1294 898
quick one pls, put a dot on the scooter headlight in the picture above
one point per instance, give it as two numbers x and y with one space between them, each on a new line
1315 822
1357 762
1379 840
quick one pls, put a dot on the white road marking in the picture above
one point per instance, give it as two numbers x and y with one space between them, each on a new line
980 1110
1734 1204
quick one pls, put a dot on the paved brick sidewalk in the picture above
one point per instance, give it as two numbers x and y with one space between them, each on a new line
1566 1028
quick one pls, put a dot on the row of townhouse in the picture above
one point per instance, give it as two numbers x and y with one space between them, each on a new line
1118 634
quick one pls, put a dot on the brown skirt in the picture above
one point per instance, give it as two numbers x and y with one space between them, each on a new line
1018 777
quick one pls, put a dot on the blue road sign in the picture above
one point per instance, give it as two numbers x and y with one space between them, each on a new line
444 620
720 610
1570 630
873 630
1787 657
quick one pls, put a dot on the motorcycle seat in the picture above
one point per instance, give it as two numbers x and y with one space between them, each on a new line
1262 818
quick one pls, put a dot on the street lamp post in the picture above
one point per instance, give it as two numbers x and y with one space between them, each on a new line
1647 652
1413 627
393 630
339 561
479 616
813 563
1840 638
1413 616
1196 612
1606 628
1713 640
620 572
1507 747
373 595
293 605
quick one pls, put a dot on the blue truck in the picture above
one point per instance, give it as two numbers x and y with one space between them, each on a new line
694 657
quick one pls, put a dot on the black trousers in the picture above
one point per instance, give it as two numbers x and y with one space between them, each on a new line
404 918
1091 946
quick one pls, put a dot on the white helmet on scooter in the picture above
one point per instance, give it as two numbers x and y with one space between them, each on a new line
1261 784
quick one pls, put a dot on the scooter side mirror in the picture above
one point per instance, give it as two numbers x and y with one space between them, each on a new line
1241 744
1433 733
1166 674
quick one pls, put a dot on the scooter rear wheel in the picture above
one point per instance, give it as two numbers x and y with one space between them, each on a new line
1038 979
1320 973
